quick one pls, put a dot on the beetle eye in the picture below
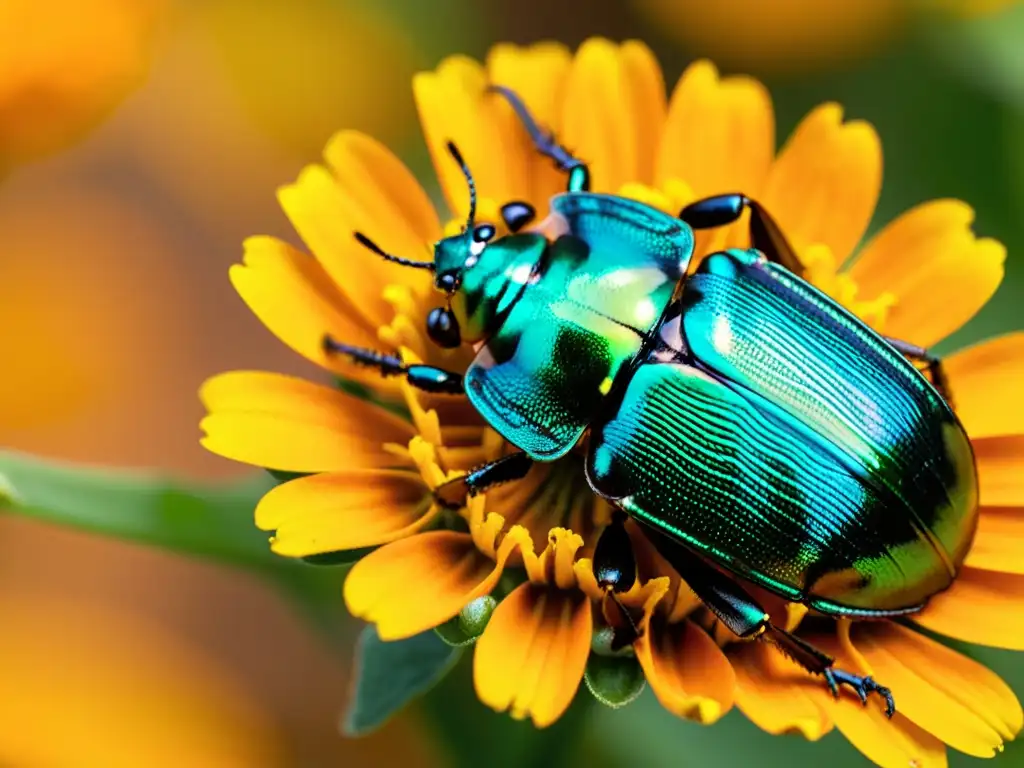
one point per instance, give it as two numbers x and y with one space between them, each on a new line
483 233
443 328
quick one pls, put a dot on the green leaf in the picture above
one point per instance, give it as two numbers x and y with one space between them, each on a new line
202 520
392 674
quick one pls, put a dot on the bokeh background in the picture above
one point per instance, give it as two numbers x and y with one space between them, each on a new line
142 140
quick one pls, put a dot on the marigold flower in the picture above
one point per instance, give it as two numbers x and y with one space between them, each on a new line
920 278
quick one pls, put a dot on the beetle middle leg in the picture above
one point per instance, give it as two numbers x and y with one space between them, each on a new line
740 612
544 142
454 493
424 377
932 362
765 233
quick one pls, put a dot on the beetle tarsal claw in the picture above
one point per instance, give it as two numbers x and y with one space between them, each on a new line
862 686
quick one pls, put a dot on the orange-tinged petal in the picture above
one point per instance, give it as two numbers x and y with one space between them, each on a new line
1001 470
327 220
824 185
454 106
531 657
688 673
293 296
999 541
644 91
344 510
962 702
985 382
981 607
537 74
396 208
939 272
767 695
411 585
895 743
596 125
720 133
282 422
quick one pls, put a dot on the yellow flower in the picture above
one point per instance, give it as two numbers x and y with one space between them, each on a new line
920 278
87 686
64 65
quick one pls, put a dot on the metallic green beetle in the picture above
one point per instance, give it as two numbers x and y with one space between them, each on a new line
756 429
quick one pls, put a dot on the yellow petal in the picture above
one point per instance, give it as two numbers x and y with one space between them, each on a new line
1001 470
555 564
281 422
720 133
935 267
999 541
686 670
823 187
531 657
981 607
952 697
411 585
454 106
293 296
895 743
985 382
644 91
537 74
327 221
596 125
767 695
344 510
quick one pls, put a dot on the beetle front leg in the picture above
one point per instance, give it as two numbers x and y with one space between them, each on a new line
765 234
544 142
424 377
933 364
454 493
741 613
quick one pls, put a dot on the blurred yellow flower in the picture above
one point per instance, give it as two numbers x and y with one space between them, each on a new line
371 473
64 65
88 687
793 34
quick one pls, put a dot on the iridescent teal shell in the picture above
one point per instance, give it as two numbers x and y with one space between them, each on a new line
778 435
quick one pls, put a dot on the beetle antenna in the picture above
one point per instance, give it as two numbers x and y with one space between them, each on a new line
368 243
454 152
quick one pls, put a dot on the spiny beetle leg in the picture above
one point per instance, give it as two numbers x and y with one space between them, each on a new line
933 364
741 613
820 663
544 142
765 233
424 377
454 493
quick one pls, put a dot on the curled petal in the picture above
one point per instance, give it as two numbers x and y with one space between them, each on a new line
282 422
1001 470
981 607
825 183
962 702
687 671
984 378
938 271
531 657
720 133
998 541
770 692
414 584
554 565
334 511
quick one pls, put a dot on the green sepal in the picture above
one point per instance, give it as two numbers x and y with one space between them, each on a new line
615 681
214 522
389 675
363 392
469 623
281 477
341 557
452 634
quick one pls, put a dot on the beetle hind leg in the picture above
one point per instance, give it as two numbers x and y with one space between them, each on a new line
615 570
